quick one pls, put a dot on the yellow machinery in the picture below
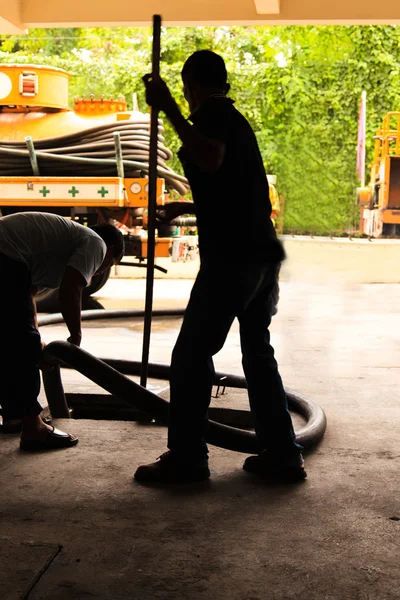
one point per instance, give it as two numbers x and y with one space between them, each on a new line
380 200
275 200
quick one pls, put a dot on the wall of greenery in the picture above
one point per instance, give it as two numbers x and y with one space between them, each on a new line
300 87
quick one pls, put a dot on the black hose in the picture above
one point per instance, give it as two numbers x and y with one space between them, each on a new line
124 313
107 374
90 153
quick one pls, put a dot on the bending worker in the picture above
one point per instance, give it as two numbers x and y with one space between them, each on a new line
237 276
39 251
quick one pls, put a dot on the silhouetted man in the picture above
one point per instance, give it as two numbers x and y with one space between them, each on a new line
39 251
236 279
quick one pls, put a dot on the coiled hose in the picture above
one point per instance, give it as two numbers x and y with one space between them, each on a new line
92 153
108 374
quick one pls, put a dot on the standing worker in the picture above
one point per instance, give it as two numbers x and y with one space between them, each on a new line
223 164
39 251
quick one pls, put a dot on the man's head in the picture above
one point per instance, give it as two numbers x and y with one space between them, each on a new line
114 240
204 73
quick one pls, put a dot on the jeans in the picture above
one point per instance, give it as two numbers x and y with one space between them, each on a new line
19 370
222 292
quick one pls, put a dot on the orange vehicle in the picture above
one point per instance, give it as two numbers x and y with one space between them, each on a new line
88 164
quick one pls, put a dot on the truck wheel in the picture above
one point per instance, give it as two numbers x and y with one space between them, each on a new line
97 283
48 301
389 230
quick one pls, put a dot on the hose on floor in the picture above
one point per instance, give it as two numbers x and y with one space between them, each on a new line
110 375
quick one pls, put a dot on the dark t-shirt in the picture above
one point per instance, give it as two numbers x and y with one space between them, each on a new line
232 205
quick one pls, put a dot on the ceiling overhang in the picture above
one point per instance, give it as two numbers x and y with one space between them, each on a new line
10 17
18 15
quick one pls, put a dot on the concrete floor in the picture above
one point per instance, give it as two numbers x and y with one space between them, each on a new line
73 524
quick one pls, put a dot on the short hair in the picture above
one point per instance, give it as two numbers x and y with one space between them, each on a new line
111 236
206 68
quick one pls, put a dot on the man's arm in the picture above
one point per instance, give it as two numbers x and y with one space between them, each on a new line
173 210
207 153
33 294
71 303
43 366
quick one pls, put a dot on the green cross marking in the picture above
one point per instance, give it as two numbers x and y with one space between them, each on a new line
73 191
103 191
44 191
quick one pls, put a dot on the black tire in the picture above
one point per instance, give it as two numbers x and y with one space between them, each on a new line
98 281
48 301
389 230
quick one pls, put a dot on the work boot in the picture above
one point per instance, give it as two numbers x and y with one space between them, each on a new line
290 469
167 469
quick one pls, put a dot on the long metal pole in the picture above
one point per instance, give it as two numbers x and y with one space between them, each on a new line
152 204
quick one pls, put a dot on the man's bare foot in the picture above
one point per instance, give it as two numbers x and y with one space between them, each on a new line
38 436
15 425
34 428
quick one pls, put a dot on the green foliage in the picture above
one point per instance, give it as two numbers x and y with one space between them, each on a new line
300 88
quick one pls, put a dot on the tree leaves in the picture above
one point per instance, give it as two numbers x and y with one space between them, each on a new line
300 88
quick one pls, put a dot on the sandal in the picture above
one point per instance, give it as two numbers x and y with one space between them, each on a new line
55 440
